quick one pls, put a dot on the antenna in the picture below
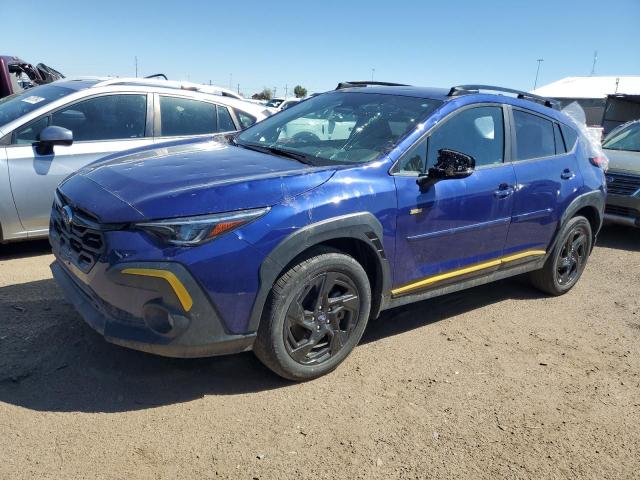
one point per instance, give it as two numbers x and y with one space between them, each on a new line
535 84
595 60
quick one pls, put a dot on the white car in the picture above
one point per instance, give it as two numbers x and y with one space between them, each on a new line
50 131
334 125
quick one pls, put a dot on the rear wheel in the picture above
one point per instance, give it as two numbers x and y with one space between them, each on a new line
317 313
565 265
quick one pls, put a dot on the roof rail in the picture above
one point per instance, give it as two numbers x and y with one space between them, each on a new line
157 75
366 83
174 84
468 89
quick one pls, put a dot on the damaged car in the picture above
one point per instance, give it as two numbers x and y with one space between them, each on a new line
16 75
288 245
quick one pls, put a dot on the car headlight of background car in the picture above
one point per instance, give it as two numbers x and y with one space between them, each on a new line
191 231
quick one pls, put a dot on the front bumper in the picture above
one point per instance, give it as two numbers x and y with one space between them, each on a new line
623 209
148 313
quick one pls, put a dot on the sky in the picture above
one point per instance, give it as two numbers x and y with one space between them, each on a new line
257 44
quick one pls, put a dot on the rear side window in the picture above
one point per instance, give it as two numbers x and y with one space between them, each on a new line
534 136
225 124
183 116
478 132
109 117
570 136
246 120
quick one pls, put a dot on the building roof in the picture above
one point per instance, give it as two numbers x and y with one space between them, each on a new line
590 87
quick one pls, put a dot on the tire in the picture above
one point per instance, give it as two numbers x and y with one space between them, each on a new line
565 265
316 315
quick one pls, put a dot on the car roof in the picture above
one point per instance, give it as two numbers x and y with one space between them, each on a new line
405 90
463 96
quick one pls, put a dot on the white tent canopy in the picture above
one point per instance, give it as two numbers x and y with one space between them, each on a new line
590 87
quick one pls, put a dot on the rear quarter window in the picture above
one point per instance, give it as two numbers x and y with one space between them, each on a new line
245 119
570 136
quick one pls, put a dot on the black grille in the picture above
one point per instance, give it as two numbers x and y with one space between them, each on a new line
620 184
622 211
75 240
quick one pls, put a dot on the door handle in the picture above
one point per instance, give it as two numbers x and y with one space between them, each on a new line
504 190
567 174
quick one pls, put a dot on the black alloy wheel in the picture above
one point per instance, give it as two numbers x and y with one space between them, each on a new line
321 318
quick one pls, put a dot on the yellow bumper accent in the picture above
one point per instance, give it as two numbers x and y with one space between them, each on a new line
179 289
463 271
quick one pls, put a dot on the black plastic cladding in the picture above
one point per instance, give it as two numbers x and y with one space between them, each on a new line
359 226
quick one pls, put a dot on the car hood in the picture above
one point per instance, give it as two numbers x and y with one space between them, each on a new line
624 161
193 178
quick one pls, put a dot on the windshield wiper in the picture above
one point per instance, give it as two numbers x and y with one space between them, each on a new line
301 157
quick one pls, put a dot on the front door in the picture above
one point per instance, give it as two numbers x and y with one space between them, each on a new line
457 228
101 125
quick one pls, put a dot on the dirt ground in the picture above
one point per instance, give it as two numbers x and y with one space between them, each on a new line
495 382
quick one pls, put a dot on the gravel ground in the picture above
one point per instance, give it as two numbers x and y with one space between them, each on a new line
495 382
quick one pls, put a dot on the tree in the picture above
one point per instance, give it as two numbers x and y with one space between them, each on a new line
265 94
300 91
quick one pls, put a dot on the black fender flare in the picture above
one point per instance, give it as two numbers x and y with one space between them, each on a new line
362 226
595 199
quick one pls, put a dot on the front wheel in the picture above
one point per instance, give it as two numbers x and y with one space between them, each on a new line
317 314
565 265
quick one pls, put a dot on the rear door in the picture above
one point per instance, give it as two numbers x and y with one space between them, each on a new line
548 179
101 125
456 228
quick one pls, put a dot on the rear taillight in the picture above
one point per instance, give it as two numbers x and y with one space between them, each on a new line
598 161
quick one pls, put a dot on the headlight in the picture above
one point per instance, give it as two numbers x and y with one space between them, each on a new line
191 231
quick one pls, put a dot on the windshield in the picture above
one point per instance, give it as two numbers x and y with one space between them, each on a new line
275 102
626 139
19 104
341 127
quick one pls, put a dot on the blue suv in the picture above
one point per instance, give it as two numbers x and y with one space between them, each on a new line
288 237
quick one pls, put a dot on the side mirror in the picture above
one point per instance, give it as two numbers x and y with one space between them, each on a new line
451 164
51 136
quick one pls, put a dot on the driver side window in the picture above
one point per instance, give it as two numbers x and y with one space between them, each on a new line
477 131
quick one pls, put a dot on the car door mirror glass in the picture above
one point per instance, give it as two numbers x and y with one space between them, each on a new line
51 136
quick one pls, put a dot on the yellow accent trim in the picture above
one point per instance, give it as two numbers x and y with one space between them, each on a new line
179 289
463 271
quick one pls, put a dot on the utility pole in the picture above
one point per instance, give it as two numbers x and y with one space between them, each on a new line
286 90
275 89
136 61
535 83
209 82
373 70
595 60
238 89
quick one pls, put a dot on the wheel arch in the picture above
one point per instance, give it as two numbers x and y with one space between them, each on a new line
358 235
589 205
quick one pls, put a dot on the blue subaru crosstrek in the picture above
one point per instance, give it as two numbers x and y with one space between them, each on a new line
288 237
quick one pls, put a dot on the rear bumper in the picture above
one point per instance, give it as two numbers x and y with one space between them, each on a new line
623 209
147 314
